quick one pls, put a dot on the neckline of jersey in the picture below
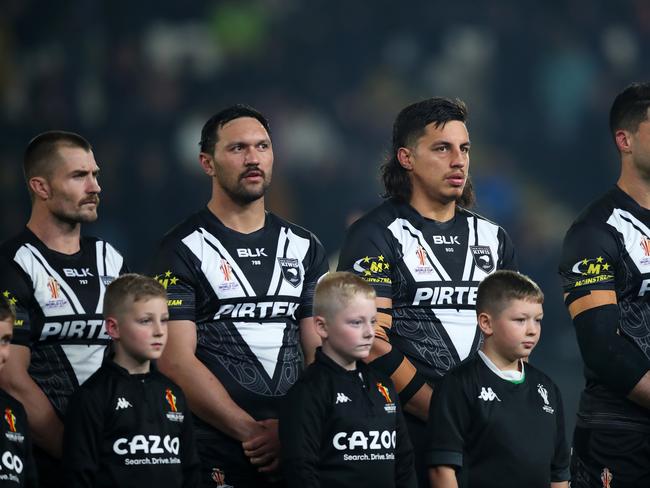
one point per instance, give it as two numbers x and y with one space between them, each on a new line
43 247
240 235
514 377
441 225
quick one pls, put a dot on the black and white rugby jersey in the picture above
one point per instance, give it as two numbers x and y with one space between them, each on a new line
608 248
246 293
431 272
59 301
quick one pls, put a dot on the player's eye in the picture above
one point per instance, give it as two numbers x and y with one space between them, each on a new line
465 149
263 146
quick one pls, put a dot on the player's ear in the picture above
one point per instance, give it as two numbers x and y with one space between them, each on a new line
623 142
40 187
207 163
321 326
485 323
111 328
404 158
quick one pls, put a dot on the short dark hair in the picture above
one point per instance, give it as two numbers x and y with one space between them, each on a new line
129 288
7 311
42 150
408 127
630 108
209 135
503 286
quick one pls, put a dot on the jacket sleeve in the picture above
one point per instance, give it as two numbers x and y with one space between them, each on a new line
31 474
84 424
301 425
404 457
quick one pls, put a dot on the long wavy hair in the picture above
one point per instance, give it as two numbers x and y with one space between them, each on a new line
409 126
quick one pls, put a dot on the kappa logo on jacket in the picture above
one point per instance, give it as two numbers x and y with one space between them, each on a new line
341 398
487 395
122 403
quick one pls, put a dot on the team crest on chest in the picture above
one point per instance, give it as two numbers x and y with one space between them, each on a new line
55 298
290 268
483 257
229 282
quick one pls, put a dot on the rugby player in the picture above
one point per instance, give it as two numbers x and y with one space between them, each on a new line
56 279
240 282
425 253
605 270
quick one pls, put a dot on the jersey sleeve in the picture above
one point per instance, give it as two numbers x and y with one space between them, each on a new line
449 423
173 268
16 287
367 252
302 417
84 424
507 254
314 270
588 259
560 461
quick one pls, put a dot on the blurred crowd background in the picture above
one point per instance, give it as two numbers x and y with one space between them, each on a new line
139 79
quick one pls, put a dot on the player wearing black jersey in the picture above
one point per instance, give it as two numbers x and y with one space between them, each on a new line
56 280
605 270
425 254
240 282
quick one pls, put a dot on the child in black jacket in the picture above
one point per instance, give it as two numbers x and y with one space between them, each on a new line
342 424
129 425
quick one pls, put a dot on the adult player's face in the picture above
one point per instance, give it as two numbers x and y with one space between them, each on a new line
351 332
517 329
143 329
243 159
440 162
74 190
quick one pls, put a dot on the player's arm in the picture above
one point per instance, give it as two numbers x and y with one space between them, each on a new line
44 423
309 339
206 395
442 477
414 392
616 361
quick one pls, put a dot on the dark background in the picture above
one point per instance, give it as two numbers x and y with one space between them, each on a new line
139 79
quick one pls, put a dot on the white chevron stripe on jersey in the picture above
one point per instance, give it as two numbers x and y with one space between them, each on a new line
217 266
277 273
46 283
85 360
264 340
297 250
114 262
411 238
487 235
461 328
633 231
469 258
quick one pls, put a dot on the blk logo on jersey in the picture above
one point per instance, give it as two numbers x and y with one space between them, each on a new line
483 257
290 268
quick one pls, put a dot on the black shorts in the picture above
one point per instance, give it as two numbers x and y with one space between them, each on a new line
610 459
224 464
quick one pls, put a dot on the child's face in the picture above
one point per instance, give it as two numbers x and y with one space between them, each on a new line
143 328
6 333
350 333
516 330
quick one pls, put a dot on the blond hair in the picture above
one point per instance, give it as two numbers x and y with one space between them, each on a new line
336 290
129 288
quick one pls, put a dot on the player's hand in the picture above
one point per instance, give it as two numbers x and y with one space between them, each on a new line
263 449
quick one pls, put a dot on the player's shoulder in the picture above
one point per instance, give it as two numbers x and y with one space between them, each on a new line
279 222
9 247
598 211
465 212
380 217
187 226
